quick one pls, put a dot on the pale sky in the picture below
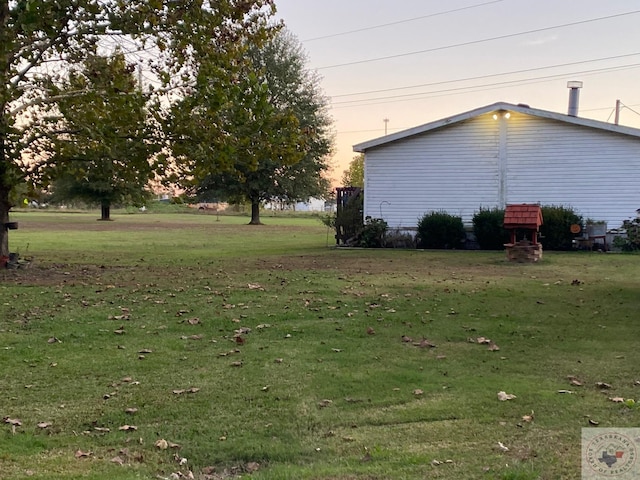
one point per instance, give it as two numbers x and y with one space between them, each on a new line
448 57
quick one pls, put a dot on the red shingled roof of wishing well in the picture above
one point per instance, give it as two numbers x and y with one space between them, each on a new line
523 216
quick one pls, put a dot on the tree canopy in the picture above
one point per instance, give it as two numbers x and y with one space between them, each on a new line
105 155
191 43
276 131
354 175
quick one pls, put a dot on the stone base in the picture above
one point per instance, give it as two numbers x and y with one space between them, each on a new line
524 252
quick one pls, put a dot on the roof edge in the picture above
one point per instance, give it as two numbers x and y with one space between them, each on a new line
461 117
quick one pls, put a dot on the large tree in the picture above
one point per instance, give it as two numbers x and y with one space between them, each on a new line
106 154
277 137
41 39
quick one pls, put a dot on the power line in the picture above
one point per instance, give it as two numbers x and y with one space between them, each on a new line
480 77
413 19
471 88
475 42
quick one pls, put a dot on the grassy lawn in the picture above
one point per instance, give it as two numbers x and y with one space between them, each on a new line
156 345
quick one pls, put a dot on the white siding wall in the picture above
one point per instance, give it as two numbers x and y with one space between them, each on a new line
457 169
595 172
454 169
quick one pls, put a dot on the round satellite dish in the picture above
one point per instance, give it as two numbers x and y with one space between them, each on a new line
575 228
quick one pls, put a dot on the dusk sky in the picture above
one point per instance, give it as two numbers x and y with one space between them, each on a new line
415 61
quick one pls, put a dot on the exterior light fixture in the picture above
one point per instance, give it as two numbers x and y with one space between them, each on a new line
503 114
495 116
507 115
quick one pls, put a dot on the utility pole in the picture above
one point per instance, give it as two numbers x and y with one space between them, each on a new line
386 122
617 117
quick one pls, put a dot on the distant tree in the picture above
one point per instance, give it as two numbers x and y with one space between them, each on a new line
105 156
278 131
354 175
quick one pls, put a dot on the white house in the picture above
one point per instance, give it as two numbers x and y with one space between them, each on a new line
501 154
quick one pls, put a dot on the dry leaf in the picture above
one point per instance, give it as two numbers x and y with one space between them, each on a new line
493 347
162 444
44 424
145 351
424 343
236 364
117 460
336 350
483 340
15 422
603 385
279 360
593 422
325 403
193 321
101 429
503 447
503 396
120 331
128 428
528 418
81 454
54 340
370 331
252 467
406 339
131 410
617 399
417 392
565 391
255 286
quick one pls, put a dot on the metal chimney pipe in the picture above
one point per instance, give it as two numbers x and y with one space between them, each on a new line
574 97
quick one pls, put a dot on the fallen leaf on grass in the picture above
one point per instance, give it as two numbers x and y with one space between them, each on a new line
54 340
417 392
503 396
193 321
603 385
81 454
131 410
117 460
279 360
128 428
406 339
593 422
255 286
483 341
493 347
528 418
370 331
102 429
44 425
189 390
161 444
324 403
14 422
336 350
252 467
616 399
424 343
237 364
119 331
503 447
145 351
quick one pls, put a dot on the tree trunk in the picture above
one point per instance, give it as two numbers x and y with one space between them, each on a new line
105 210
5 206
255 213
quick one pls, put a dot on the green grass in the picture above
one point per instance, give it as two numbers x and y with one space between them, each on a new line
179 286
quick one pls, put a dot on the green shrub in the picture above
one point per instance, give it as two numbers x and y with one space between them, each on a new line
631 242
556 229
488 228
373 233
440 230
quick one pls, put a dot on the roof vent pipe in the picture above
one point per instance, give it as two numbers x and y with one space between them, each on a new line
574 97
